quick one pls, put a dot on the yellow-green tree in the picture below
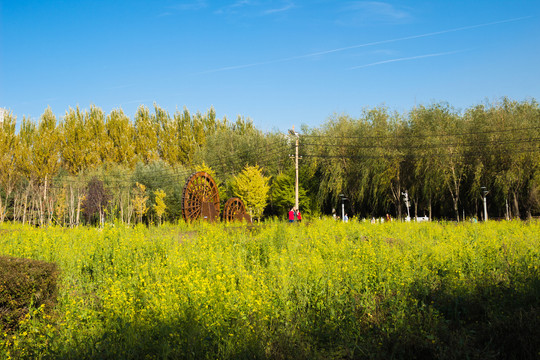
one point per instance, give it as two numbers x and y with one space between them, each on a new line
9 146
45 157
139 201
99 144
168 131
160 206
121 132
146 138
73 141
252 187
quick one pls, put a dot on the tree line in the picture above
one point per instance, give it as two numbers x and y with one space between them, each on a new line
90 167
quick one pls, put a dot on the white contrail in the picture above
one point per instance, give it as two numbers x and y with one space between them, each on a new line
325 52
405 59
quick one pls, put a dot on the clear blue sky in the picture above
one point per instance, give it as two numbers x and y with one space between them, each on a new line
277 62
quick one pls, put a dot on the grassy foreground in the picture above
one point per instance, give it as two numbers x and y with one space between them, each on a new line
323 290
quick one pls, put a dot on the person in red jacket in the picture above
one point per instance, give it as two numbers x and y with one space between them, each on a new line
298 216
291 215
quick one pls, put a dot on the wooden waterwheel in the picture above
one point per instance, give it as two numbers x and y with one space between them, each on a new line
234 209
200 198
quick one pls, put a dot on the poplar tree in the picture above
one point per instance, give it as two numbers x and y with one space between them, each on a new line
168 136
121 133
74 141
146 137
45 161
9 148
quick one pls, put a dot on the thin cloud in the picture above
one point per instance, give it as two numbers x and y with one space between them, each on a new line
189 6
406 59
357 46
234 7
184 6
378 10
250 8
279 10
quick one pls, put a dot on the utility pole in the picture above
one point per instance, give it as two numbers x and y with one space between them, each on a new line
295 134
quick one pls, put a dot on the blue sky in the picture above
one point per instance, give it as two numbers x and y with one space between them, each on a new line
280 63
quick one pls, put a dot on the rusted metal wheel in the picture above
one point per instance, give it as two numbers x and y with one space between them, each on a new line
200 198
234 209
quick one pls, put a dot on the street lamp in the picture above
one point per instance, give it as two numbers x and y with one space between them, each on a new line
406 195
295 134
484 197
343 198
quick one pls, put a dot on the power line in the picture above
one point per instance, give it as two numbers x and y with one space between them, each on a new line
393 136
404 155
422 146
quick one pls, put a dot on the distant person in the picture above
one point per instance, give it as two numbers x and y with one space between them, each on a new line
291 215
345 218
298 216
388 218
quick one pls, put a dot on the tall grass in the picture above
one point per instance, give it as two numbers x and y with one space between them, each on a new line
323 290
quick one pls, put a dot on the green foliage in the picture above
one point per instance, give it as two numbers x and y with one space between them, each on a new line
252 187
159 175
440 156
24 284
283 194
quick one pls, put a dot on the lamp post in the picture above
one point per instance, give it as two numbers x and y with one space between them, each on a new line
406 195
295 134
343 198
484 197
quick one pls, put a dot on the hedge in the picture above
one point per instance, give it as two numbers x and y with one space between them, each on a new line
25 283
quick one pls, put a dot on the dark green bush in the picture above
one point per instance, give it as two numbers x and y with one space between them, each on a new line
24 283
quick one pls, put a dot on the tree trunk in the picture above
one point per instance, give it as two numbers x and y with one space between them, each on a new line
2 211
25 206
79 199
71 208
15 207
516 205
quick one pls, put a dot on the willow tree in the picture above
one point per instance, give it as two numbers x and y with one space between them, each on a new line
519 162
425 151
449 151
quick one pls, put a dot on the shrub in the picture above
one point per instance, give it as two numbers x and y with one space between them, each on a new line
24 283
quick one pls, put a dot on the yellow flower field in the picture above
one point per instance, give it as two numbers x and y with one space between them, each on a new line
322 290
